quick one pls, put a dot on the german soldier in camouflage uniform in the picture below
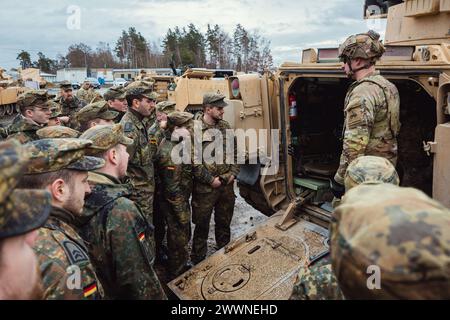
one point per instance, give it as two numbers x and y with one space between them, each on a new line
96 113
141 103
218 195
22 212
159 204
371 106
114 228
400 235
176 187
59 166
70 105
318 282
55 113
86 93
115 97
34 114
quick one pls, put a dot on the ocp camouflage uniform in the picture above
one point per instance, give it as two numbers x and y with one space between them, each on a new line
205 198
176 188
119 240
61 253
23 129
398 237
317 282
371 121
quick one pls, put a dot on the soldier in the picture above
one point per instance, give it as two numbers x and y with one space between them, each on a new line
391 243
56 132
115 97
219 194
117 234
176 188
69 104
318 282
59 166
94 114
371 106
55 113
86 93
141 103
155 137
34 114
22 212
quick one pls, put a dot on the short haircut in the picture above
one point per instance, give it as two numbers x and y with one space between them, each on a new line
42 180
132 97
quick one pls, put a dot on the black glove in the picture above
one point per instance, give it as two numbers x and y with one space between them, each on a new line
337 188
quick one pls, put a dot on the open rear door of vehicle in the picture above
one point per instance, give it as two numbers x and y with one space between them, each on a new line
441 146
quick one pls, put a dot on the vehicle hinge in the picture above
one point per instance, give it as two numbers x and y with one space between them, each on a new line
288 219
429 147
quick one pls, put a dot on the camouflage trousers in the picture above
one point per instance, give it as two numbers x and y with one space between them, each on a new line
178 219
160 208
144 199
220 200
317 282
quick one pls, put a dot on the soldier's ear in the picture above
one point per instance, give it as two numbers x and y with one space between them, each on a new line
29 113
59 190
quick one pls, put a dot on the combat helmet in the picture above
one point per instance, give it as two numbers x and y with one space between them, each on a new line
363 45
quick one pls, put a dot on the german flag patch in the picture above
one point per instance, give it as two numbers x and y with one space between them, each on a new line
153 141
90 289
141 236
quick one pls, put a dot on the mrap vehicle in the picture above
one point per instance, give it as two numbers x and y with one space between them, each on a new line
305 103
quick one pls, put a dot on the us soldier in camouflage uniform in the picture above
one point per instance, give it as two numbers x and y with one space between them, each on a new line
115 97
176 187
22 212
318 282
34 114
55 132
159 204
69 104
96 113
86 93
141 103
371 106
59 165
218 195
402 234
114 228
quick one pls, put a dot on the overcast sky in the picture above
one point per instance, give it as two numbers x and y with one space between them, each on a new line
51 26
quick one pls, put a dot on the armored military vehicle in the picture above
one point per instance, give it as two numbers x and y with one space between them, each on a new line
304 101
9 92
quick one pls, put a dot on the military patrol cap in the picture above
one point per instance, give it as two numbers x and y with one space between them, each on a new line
65 85
114 93
96 110
105 137
166 106
50 155
362 45
140 83
142 91
402 232
54 132
32 98
370 169
179 118
214 99
21 210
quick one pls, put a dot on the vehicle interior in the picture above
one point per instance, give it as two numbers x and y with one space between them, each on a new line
316 134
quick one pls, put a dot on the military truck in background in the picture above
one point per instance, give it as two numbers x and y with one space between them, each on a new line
305 101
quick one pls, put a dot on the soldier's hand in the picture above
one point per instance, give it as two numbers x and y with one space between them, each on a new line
64 119
216 183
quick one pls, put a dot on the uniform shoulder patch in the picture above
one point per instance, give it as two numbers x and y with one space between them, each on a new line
75 254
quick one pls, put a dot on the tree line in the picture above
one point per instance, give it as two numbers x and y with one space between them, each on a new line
181 47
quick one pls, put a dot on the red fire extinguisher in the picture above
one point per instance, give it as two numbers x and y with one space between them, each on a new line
292 107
